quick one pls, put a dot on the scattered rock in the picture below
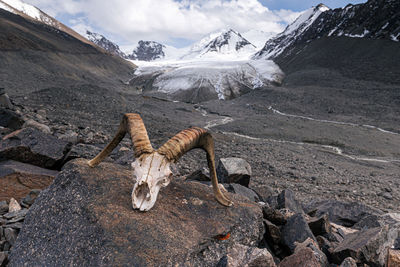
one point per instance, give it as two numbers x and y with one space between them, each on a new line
29 145
273 215
343 213
393 258
39 126
348 262
69 136
15 214
202 175
3 207
287 200
10 235
234 170
30 198
296 230
85 218
13 205
10 119
320 226
3 258
5 100
245 256
244 191
18 179
367 246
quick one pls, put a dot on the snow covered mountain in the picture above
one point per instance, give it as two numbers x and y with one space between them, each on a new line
293 31
25 10
106 44
225 44
257 37
376 19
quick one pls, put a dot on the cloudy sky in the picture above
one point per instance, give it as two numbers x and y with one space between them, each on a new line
173 22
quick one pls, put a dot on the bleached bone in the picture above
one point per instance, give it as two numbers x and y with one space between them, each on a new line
151 169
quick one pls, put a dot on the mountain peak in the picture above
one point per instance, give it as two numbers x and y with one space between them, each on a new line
321 7
104 43
148 51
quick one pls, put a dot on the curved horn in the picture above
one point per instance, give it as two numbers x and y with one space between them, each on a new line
133 124
187 140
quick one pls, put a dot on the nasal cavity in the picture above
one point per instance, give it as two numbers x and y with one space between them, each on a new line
143 191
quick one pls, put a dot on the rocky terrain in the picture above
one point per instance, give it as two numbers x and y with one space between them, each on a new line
323 150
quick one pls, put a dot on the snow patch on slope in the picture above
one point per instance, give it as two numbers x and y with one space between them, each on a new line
24 8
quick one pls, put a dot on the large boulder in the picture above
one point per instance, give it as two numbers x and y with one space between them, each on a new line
343 213
18 179
234 170
296 230
29 145
86 218
368 246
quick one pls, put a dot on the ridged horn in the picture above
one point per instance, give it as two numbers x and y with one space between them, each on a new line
187 140
133 124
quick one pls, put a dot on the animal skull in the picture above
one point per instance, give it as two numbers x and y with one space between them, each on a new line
151 169
151 172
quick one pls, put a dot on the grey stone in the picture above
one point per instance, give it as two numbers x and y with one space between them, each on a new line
3 207
304 257
82 151
17 225
320 226
368 246
234 170
10 119
31 197
343 213
69 136
3 258
295 230
348 262
29 145
244 256
16 214
86 218
286 199
39 126
11 235
5 101
244 191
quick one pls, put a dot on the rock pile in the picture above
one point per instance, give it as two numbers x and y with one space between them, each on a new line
12 216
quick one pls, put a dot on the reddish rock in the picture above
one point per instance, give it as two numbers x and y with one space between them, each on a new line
393 259
18 179
303 257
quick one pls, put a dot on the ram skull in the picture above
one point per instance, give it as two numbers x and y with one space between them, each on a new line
151 169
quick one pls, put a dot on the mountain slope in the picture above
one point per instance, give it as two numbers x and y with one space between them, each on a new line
30 12
376 19
292 33
34 55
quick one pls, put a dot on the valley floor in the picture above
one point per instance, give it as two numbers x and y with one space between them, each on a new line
316 140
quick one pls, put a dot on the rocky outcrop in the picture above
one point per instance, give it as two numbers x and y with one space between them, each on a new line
147 51
31 146
86 217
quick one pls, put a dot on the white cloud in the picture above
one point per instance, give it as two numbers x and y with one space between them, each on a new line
165 20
